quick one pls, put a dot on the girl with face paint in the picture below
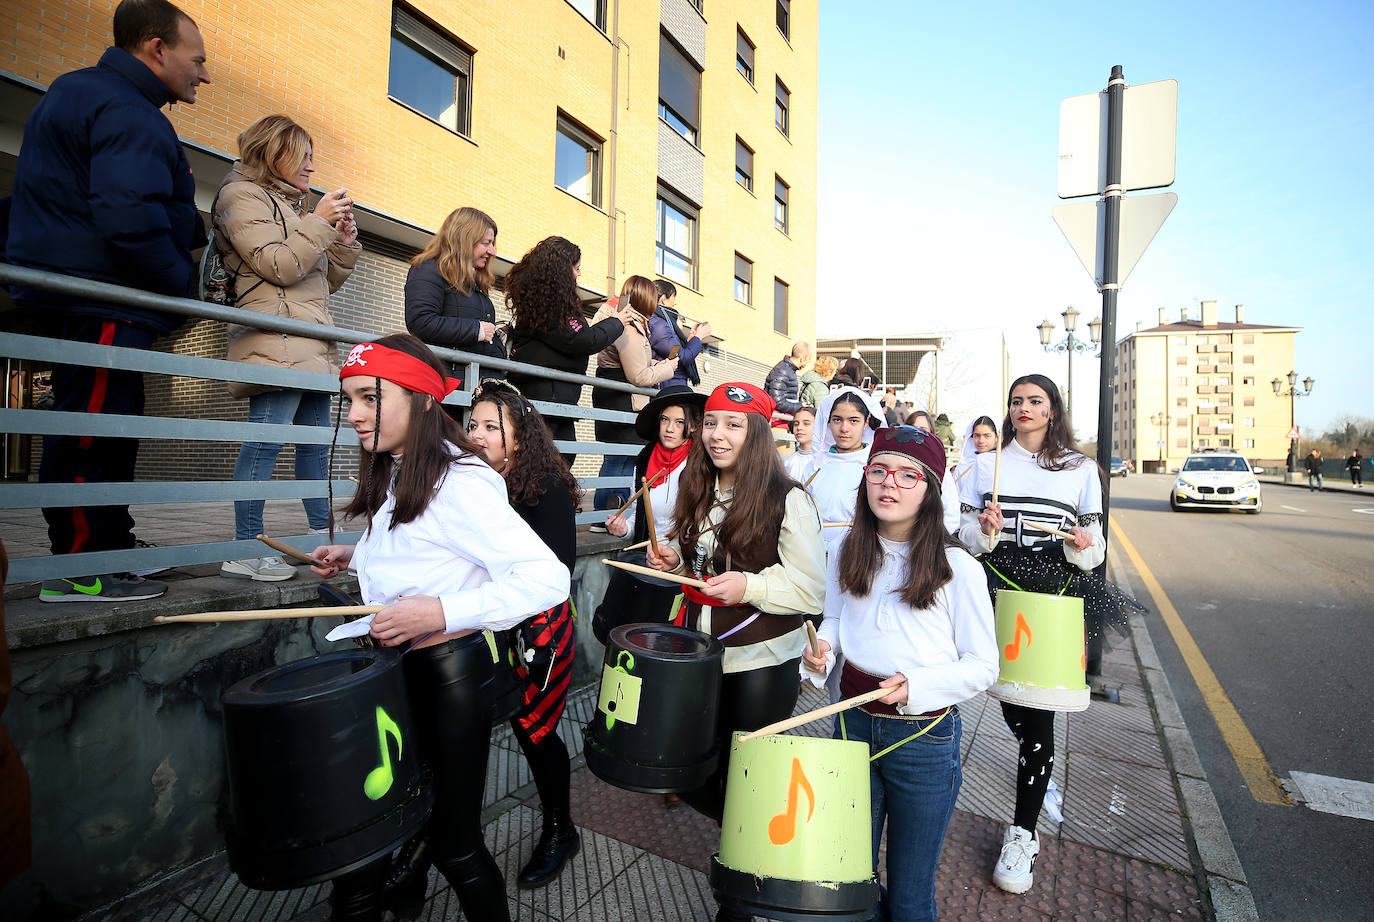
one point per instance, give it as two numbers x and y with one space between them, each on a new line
446 554
907 606
1044 479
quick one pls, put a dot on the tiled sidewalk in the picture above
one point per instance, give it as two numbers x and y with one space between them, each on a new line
1123 851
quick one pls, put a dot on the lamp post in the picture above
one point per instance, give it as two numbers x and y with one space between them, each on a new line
1070 344
1292 393
1160 419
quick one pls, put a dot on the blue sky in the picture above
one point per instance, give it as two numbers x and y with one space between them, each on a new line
938 145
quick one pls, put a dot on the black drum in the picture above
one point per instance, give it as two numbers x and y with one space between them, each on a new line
654 730
632 598
324 768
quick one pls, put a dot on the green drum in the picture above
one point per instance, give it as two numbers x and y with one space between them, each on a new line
797 837
1041 646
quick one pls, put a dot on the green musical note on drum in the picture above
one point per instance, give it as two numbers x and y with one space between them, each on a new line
619 698
380 779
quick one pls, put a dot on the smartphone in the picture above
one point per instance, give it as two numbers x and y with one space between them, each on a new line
868 383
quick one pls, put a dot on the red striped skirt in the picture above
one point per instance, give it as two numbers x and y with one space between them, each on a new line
546 686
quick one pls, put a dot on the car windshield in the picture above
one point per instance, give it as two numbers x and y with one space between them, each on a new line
1115 459
1216 464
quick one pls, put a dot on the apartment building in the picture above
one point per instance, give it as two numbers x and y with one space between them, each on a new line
673 139
1199 383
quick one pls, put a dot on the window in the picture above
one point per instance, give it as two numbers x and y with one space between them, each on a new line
1203 381
675 246
1248 401
1204 443
1180 401
594 10
780 192
430 72
744 165
779 306
1247 360
1180 340
1181 422
1225 443
1181 360
1247 340
679 90
744 280
1249 423
744 56
1223 379
1247 443
1247 381
785 18
781 108
1183 380
577 161
1180 443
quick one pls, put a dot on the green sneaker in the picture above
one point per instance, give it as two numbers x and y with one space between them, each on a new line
114 587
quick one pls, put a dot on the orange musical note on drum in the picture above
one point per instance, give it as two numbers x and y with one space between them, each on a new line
783 827
1013 649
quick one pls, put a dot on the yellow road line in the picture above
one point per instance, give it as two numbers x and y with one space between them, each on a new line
1254 767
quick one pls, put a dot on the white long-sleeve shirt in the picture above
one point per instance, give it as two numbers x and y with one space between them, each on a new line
663 497
948 652
836 489
469 548
800 465
1027 492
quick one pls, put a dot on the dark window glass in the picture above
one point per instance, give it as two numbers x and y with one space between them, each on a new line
780 196
679 90
780 306
744 56
430 72
744 280
785 18
744 165
780 109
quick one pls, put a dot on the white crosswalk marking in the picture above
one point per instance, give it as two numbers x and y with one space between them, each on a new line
1340 796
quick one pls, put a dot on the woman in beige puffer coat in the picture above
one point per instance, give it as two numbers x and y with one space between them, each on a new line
283 262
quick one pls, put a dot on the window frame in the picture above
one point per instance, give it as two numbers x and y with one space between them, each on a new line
786 290
666 111
748 283
782 107
782 199
748 181
745 69
441 48
600 21
666 198
575 131
782 18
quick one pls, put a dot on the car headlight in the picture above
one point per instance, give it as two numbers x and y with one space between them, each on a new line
1251 484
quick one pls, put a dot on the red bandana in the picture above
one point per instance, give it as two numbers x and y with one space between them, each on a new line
663 462
398 367
740 398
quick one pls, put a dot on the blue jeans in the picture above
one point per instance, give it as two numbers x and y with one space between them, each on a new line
1314 482
913 789
614 466
257 459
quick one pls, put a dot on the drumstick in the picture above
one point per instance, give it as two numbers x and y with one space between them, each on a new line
962 473
819 713
814 642
649 518
1054 531
644 543
997 472
288 550
811 478
657 574
354 479
267 614
837 524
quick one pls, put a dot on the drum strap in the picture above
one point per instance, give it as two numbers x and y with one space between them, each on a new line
1018 588
897 745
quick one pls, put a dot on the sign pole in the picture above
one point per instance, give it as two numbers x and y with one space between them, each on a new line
1111 287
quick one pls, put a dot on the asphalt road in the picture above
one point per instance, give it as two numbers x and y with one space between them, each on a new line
1282 606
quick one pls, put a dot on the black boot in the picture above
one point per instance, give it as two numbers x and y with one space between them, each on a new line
557 844
357 896
408 883
477 882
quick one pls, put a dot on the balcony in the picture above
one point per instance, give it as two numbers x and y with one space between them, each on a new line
1206 389
1206 409
1223 388
1204 348
1225 368
1205 369
1206 430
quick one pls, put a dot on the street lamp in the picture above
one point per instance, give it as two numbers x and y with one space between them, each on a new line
1292 393
1160 419
1070 344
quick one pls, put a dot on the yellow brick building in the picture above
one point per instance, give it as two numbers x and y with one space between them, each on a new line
1198 383
663 140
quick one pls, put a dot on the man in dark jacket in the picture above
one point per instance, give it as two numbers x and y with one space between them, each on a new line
783 383
1314 471
103 191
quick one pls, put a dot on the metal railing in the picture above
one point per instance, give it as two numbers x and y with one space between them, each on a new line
53 422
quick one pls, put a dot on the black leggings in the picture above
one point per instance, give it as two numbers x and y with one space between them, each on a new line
1034 732
453 728
748 700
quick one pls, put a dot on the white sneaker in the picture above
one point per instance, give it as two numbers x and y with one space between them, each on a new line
1019 850
263 569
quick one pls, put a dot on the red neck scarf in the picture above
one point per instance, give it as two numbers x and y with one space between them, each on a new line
663 462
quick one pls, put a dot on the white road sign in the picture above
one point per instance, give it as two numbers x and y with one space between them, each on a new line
1149 132
1084 225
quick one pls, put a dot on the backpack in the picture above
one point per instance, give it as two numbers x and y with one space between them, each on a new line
216 280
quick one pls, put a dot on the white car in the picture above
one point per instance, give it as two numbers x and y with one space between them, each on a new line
1216 479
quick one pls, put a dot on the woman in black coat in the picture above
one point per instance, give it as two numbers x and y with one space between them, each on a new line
549 328
446 294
